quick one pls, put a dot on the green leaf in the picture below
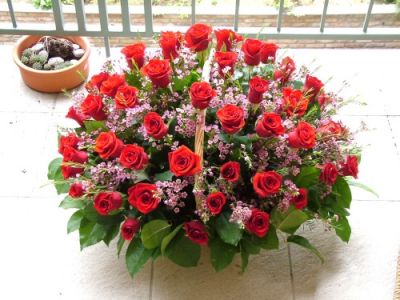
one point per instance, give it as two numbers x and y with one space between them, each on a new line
164 176
244 255
112 232
92 125
74 221
120 244
140 176
183 251
54 173
298 85
70 202
54 168
154 232
270 241
307 177
91 214
156 253
222 254
342 189
179 84
247 244
230 233
133 78
165 242
90 233
303 242
362 186
342 228
136 256
289 221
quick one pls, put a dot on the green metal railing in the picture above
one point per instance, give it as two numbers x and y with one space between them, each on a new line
128 29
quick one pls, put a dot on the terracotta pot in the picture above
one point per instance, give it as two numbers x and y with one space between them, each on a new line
57 80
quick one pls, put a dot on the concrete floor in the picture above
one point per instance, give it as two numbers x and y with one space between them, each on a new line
40 261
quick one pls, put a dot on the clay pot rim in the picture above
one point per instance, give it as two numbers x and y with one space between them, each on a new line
82 60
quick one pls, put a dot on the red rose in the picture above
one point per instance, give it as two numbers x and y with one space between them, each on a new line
69 171
95 82
159 71
93 106
142 197
285 70
126 97
76 190
312 86
70 140
231 118
201 93
215 202
226 59
105 202
300 201
108 145
225 38
110 86
251 49
198 37
155 126
258 223
170 43
257 87
350 167
293 102
329 174
230 171
184 162
134 54
77 116
270 125
324 99
331 128
268 52
73 155
129 228
133 157
267 183
196 232
303 136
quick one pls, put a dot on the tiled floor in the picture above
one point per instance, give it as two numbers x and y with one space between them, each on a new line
39 261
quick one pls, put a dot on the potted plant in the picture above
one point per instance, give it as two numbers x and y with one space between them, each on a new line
52 64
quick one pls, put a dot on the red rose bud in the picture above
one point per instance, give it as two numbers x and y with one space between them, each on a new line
303 136
196 232
350 167
324 99
95 82
77 116
215 202
230 171
268 52
126 97
142 197
108 145
225 38
76 190
198 37
159 71
231 118
93 106
70 172
285 70
155 126
312 87
184 162
258 223
331 128
257 87
129 228
133 157
251 49
329 174
293 102
226 60
270 125
170 43
110 86
73 155
106 202
267 183
201 93
69 140
134 54
300 201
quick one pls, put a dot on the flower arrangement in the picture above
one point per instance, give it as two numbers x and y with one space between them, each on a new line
199 144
